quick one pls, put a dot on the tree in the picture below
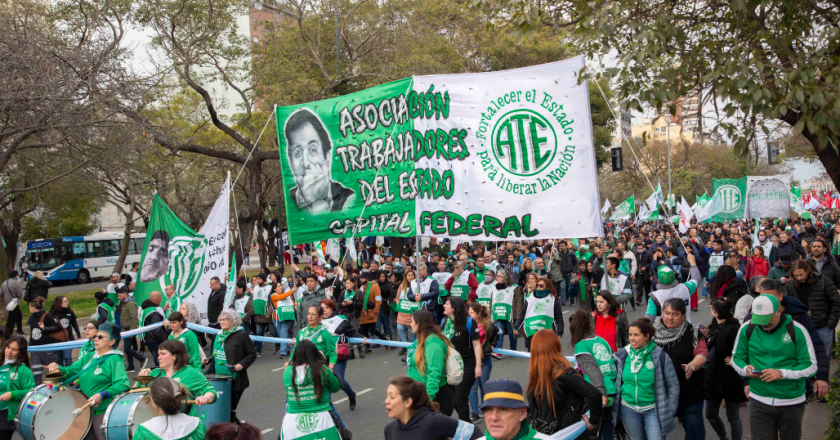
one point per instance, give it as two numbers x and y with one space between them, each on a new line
757 62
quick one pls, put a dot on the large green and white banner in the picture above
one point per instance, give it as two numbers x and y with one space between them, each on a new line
491 156
731 192
175 254
768 196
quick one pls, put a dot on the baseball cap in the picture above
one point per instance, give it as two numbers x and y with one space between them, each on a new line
763 309
503 393
665 274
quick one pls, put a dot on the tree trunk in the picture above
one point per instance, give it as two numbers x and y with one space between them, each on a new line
247 215
4 315
263 252
397 246
129 216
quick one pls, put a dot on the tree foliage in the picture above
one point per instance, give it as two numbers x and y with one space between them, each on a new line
757 62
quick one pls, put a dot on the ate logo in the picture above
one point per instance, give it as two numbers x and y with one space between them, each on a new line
539 308
524 142
305 423
731 196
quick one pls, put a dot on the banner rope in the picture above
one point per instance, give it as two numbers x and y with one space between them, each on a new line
204 329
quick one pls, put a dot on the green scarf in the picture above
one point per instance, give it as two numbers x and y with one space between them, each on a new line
219 352
637 356
367 295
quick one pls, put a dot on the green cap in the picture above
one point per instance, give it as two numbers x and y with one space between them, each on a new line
665 274
763 309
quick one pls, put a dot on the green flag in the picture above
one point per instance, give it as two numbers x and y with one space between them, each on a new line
732 197
625 210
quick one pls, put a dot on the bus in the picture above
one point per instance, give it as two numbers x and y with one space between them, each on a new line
81 259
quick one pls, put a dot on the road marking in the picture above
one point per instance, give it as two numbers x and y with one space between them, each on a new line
278 369
358 393
565 312
701 301
266 431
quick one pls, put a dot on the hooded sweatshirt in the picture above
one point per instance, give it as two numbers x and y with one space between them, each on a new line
306 401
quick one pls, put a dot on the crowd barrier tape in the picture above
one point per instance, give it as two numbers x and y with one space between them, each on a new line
79 342
204 329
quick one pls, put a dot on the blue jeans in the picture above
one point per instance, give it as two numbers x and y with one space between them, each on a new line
261 328
339 369
826 334
282 329
705 289
383 319
691 416
337 415
641 426
405 333
117 320
506 328
563 288
486 368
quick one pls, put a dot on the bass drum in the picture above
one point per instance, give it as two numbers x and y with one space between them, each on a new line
125 413
218 411
47 414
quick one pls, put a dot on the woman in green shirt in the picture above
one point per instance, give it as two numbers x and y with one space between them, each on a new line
167 398
16 379
180 332
90 332
426 360
318 334
101 373
309 383
174 363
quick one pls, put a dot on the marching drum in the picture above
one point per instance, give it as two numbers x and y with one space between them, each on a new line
125 413
47 414
218 411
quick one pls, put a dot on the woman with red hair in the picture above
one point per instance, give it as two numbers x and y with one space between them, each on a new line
556 393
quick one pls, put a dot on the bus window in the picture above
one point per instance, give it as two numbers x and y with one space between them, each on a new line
42 259
114 248
95 249
79 250
66 253
135 247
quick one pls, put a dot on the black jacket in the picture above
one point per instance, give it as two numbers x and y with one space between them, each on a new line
427 424
157 335
387 291
572 394
830 269
821 298
721 380
215 304
568 261
239 349
66 315
735 290
790 249
38 336
38 288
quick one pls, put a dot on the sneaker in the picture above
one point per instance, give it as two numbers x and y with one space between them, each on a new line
130 370
638 303
352 403
282 356
496 356
694 309
259 355
481 415
402 359
474 418
403 352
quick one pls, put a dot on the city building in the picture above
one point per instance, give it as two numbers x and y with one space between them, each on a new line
656 129
819 183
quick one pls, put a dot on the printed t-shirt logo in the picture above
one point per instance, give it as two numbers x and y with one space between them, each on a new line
649 365
786 339
539 308
305 423
601 353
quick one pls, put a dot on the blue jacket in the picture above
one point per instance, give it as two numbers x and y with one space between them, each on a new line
667 389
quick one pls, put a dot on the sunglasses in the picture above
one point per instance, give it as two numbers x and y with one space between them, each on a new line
98 337
542 286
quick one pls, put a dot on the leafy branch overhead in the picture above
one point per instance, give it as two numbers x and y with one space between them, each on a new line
757 62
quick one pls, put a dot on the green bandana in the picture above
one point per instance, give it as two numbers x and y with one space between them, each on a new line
367 295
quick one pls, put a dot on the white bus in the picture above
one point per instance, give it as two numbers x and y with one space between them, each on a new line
81 258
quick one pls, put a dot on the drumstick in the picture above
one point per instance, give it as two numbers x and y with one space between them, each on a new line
78 411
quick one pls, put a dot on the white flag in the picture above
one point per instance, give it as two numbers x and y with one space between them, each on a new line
656 198
712 208
606 207
644 212
351 250
685 216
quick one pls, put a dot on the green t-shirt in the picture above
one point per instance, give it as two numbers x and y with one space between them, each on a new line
194 381
109 375
322 339
190 340
306 400
638 379
174 304
144 433
17 380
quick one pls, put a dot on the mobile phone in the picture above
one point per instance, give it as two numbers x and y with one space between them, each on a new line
759 372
